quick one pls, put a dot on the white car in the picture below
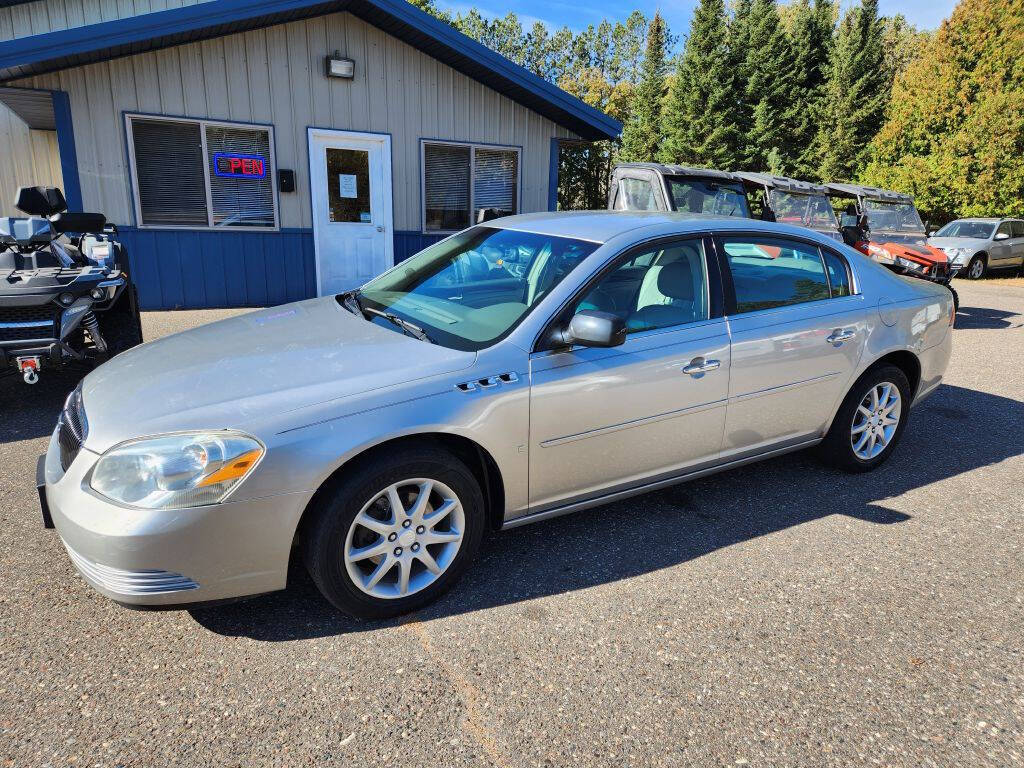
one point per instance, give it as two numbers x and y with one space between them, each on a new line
977 245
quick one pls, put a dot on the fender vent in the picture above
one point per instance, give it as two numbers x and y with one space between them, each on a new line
487 383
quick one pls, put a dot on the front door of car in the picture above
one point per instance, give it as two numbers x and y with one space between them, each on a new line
615 417
797 335
1001 254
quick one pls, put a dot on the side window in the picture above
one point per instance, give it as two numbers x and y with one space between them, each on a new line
656 288
838 274
1017 228
772 272
636 195
1004 229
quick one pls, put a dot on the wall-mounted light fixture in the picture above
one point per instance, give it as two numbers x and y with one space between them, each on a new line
340 67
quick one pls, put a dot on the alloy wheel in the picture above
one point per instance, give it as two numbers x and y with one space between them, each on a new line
404 538
875 421
977 269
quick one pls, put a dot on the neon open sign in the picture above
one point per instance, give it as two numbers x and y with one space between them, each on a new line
239 166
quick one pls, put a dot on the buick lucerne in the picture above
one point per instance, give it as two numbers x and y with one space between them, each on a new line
521 369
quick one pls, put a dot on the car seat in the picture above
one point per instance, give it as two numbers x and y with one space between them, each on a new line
666 296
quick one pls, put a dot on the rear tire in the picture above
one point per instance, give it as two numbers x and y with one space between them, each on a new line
363 556
977 268
862 435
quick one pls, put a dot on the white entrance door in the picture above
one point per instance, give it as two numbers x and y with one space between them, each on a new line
350 174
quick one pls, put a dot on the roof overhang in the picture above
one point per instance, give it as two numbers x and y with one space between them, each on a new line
869 193
54 51
783 183
35 108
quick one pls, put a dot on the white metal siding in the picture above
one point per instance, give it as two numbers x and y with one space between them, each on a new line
51 15
27 158
276 75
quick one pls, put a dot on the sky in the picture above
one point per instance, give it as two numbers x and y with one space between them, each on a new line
925 14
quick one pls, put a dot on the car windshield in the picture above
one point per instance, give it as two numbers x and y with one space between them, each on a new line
701 196
814 211
472 289
892 217
981 230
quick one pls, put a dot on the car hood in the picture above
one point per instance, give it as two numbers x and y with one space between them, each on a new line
970 243
235 372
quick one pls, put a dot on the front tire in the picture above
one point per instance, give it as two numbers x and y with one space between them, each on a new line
395 532
977 267
869 422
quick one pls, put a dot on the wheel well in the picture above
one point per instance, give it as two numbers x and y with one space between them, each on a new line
475 457
906 362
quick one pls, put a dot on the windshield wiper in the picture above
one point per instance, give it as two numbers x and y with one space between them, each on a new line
350 301
413 330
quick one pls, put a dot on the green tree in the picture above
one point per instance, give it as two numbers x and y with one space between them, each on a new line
812 29
856 95
768 68
703 104
642 131
954 133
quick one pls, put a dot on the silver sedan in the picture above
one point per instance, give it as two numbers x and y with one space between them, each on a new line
529 367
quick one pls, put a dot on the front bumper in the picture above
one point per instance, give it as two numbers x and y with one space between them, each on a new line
170 557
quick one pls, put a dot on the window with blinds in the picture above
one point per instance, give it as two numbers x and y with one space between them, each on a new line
200 173
462 182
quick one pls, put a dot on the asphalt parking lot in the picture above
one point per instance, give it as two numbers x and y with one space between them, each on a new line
779 614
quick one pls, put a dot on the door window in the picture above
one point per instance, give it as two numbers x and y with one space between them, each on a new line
1017 228
838 274
1004 229
656 288
348 186
773 272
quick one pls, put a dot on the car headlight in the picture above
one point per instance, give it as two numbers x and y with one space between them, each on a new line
956 254
176 471
908 264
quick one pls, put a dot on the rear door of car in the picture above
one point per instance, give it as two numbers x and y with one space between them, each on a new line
798 331
1017 243
602 419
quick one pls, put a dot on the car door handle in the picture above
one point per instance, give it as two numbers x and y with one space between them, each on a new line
699 365
839 335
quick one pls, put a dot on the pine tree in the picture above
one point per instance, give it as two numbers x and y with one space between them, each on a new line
642 132
954 133
856 95
769 90
812 32
701 110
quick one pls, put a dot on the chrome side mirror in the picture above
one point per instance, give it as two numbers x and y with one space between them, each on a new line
593 328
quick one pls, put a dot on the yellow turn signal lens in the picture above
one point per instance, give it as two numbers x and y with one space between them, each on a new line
233 469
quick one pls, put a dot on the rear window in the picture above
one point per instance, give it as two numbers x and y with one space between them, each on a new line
701 196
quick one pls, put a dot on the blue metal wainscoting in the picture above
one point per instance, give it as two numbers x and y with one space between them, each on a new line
196 269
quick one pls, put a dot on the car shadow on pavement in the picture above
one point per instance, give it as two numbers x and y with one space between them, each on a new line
955 431
31 410
984 318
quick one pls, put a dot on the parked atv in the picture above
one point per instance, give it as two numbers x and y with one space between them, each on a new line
886 226
791 201
65 292
657 187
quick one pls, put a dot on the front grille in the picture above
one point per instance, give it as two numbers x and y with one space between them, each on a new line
26 323
72 428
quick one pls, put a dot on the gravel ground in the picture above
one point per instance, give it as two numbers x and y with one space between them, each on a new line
780 614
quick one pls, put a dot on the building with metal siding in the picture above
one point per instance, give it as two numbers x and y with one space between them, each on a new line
418 88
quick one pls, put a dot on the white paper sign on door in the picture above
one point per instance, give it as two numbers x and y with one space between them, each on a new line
347 185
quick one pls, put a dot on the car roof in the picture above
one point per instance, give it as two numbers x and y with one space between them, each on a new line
784 183
871 193
988 219
681 170
601 226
